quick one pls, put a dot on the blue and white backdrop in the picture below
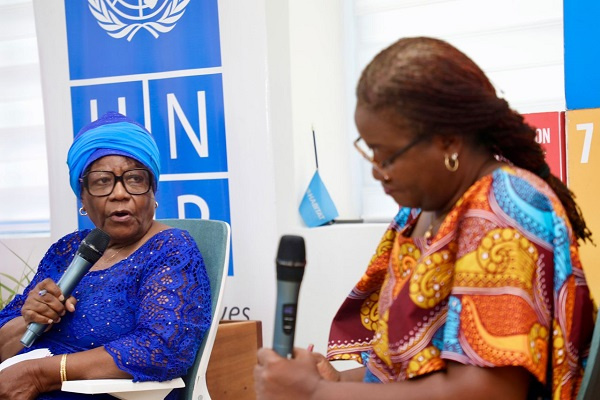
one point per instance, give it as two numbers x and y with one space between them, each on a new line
171 65
160 64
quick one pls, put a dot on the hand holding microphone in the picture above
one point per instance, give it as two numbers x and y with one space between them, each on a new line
291 259
297 378
46 304
90 251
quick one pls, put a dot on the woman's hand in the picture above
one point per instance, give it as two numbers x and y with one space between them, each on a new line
44 304
326 370
277 378
19 382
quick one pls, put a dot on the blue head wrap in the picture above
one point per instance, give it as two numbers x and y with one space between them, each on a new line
111 134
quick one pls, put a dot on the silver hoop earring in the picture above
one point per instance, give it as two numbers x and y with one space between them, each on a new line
82 212
451 166
156 204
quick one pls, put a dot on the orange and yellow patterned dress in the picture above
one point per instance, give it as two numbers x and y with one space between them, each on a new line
500 284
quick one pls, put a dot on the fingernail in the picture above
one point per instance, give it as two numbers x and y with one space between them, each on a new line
311 347
50 321
61 298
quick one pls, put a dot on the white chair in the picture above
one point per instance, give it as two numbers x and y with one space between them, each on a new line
213 239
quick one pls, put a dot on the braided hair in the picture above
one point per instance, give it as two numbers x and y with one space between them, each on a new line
439 89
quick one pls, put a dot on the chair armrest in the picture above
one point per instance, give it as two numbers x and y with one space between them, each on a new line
124 389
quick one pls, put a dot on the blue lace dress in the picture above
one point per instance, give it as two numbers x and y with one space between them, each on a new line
150 311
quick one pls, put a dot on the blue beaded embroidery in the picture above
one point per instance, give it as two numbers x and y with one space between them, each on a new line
150 311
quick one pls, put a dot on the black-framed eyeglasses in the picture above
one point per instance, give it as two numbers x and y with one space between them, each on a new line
102 183
380 167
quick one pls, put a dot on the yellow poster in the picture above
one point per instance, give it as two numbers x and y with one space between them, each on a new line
583 174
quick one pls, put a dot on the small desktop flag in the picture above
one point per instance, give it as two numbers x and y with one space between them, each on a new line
316 207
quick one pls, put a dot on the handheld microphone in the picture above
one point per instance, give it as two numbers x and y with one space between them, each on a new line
291 259
90 250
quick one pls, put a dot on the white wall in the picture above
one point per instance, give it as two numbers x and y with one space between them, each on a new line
307 87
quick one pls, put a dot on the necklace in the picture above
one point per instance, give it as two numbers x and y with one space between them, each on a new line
114 255
429 232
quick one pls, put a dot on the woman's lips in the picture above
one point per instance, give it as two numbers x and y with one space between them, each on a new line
120 216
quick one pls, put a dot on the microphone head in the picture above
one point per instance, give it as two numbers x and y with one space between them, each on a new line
292 252
291 258
93 245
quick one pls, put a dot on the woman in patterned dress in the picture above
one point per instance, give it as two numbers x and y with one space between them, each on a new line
476 290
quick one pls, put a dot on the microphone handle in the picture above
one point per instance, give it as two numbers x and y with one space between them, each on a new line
285 317
76 270
73 275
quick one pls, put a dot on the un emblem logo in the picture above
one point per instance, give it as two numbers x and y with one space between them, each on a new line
125 18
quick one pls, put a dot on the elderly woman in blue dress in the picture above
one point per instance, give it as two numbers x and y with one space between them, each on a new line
143 308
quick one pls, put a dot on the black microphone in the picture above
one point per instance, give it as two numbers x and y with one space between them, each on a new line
291 259
90 250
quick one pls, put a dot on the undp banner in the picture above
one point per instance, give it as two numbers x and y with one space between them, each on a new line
158 62
125 37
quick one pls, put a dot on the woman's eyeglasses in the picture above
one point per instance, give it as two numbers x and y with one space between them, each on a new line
380 167
102 183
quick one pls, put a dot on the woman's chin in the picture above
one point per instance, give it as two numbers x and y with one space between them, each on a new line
402 201
119 231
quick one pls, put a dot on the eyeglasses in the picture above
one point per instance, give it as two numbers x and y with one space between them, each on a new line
380 167
102 183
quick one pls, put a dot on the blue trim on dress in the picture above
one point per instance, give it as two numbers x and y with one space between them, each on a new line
452 327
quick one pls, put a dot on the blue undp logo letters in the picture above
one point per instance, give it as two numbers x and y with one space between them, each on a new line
188 123
207 199
93 101
122 37
159 63
187 117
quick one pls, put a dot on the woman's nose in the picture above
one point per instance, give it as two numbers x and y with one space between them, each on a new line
119 190
379 174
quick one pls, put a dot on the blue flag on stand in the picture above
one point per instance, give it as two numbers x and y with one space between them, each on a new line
316 207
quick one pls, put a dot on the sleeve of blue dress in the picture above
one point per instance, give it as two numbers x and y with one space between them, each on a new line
173 315
54 255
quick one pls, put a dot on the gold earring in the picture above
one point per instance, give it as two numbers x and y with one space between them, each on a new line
82 212
454 166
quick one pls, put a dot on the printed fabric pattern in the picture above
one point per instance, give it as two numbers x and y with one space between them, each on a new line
150 311
500 284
